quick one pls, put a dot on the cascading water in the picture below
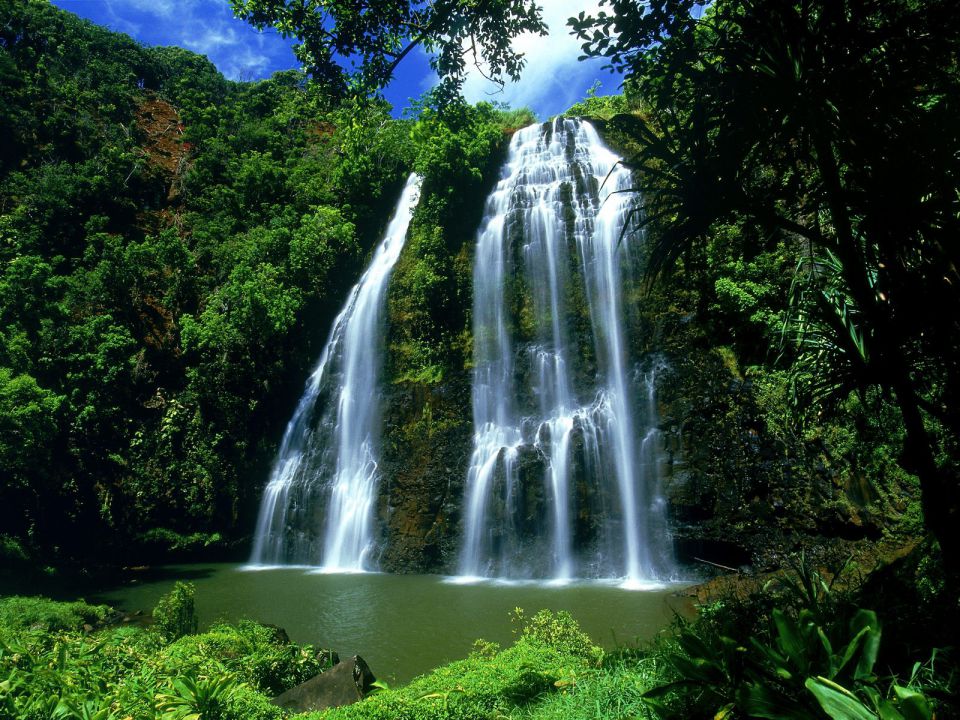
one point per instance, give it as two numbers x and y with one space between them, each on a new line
325 475
560 484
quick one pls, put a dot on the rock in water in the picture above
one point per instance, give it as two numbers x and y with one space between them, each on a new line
343 684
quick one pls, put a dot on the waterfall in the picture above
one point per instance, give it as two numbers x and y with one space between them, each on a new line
325 475
562 481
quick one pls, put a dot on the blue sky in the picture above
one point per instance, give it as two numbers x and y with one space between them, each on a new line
552 81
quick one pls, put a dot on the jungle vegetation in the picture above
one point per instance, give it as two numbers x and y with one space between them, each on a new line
831 123
174 246
800 160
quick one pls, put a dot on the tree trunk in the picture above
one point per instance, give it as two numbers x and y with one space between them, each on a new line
938 492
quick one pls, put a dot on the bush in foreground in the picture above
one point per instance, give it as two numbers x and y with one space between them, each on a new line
51 668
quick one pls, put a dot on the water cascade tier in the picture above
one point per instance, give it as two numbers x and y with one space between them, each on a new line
318 506
563 480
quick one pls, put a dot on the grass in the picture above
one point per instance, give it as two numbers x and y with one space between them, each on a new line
63 660
733 658
21 613
51 665
613 690
553 670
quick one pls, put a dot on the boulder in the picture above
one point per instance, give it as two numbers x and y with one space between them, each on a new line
343 684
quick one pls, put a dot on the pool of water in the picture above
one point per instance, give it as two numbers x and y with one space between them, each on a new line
402 625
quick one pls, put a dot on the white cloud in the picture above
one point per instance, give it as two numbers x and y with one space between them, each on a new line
209 37
553 78
204 26
245 64
118 22
163 8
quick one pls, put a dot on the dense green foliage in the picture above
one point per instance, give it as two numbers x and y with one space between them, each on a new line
762 468
802 653
36 613
174 616
830 127
174 246
51 666
491 682
358 47
431 291
799 165
800 648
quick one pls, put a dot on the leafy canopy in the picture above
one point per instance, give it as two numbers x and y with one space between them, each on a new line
830 124
357 45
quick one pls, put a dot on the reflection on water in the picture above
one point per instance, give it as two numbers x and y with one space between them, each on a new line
402 625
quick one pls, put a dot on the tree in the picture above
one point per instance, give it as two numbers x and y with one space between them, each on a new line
29 428
373 36
832 123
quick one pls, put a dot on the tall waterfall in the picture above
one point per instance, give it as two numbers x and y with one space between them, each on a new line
563 480
325 475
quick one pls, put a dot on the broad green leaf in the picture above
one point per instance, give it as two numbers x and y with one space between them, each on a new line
790 639
772 655
827 650
697 669
888 711
883 707
838 702
867 619
725 712
913 705
851 650
694 647
763 702
661 690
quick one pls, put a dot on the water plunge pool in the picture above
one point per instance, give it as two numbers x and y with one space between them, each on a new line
402 625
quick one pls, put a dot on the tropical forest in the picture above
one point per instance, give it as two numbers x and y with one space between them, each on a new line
336 388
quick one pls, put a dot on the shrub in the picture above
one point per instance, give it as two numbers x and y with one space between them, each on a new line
191 698
559 631
18 613
813 656
174 616
488 683
244 703
173 542
613 690
257 654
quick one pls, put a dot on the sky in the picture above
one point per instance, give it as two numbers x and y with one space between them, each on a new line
552 80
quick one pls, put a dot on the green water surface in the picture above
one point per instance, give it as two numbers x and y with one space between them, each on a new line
402 625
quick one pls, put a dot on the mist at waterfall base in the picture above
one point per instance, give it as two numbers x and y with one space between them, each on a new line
563 479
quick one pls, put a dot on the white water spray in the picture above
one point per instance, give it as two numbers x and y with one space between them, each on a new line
551 232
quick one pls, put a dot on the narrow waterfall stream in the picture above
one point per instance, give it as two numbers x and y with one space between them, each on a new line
318 506
563 480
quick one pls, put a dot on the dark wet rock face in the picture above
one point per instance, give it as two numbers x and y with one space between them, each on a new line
739 493
745 487
426 446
